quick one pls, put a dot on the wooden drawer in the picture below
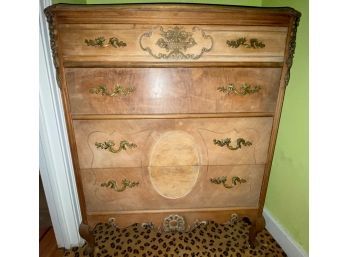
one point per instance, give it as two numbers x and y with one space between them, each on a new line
172 142
172 90
167 190
148 43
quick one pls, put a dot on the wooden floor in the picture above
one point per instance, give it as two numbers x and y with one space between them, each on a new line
48 246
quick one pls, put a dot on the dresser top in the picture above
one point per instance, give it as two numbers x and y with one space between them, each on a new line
173 14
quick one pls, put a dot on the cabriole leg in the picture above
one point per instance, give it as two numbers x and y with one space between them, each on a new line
87 234
257 225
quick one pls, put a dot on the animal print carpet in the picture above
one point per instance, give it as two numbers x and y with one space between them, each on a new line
211 240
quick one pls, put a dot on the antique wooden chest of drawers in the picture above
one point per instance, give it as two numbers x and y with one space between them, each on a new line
172 110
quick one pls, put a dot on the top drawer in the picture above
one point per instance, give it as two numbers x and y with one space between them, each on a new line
148 43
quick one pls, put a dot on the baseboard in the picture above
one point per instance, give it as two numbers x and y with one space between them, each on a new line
288 244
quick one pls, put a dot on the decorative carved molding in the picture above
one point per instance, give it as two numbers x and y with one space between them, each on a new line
243 90
253 43
112 184
148 225
112 220
53 40
198 223
227 142
145 225
292 46
174 222
234 218
176 42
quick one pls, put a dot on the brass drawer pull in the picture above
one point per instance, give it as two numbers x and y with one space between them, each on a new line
253 43
244 89
223 180
227 141
100 42
109 145
117 90
112 184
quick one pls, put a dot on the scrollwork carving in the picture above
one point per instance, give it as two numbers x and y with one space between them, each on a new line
292 46
198 223
112 222
175 41
174 222
148 225
234 218
51 20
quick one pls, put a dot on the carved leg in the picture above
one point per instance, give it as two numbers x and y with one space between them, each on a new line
257 226
87 234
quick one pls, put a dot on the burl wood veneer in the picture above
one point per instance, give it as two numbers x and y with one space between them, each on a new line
172 110
172 90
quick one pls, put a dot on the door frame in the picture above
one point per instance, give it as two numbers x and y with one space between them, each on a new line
55 161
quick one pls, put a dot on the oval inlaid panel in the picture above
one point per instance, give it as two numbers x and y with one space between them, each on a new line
174 164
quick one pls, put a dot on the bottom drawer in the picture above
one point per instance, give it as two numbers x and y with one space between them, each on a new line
159 219
168 188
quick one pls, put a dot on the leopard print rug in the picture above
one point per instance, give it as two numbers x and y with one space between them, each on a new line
209 240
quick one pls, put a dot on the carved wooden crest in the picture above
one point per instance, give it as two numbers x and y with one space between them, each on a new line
174 222
176 43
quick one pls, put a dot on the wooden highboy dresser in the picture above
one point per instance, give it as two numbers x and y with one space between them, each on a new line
172 110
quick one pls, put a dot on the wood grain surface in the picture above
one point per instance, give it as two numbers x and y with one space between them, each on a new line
144 197
172 90
74 47
149 134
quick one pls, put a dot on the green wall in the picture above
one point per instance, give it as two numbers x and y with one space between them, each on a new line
287 197
69 1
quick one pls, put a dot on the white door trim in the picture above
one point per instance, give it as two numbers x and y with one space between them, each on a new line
55 160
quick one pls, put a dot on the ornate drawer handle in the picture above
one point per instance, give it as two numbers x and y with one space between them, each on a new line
222 180
112 184
253 43
100 42
244 89
117 91
227 141
109 145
